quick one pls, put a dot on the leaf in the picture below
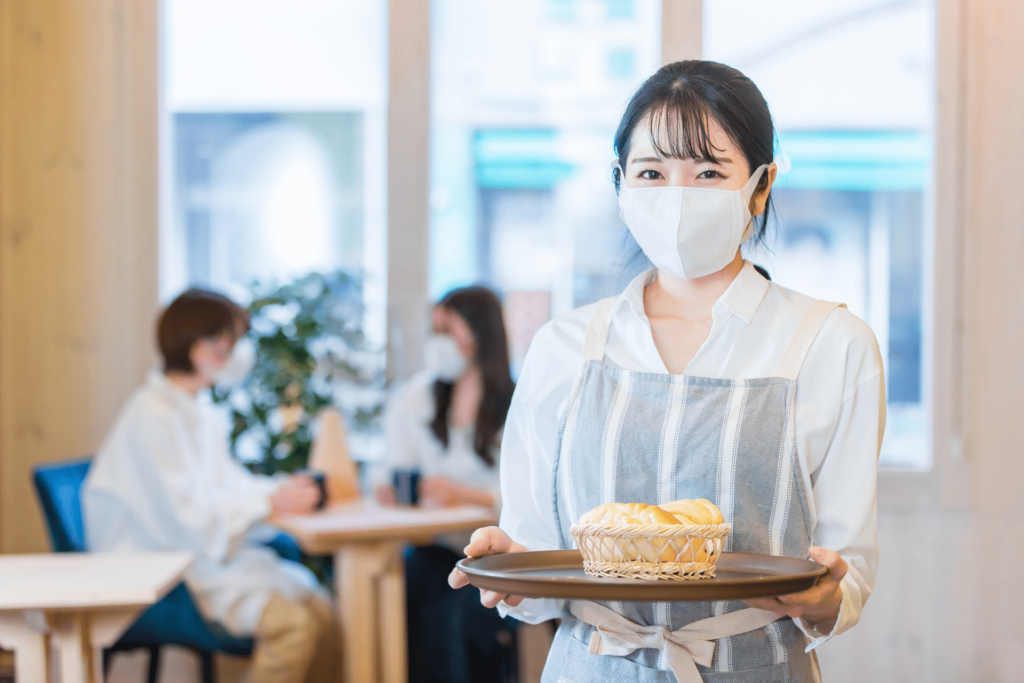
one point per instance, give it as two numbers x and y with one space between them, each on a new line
327 307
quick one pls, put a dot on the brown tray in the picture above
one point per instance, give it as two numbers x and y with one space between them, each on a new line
559 574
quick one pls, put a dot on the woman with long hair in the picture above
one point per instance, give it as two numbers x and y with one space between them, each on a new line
445 424
703 379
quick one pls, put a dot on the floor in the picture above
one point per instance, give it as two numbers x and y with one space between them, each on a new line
178 665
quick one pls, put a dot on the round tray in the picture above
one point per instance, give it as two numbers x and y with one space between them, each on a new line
559 574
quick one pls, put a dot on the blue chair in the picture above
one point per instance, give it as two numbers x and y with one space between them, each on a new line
175 620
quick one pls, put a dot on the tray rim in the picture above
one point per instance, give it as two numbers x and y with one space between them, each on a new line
638 589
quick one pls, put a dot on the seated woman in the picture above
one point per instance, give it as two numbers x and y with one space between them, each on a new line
164 480
446 424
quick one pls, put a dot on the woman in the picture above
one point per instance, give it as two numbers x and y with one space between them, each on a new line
446 424
164 480
702 380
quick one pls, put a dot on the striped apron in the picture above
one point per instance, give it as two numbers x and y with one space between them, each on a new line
640 437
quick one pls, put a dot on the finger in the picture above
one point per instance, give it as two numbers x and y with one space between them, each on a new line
489 540
490 599
513 600
769 604
826 557
812 596
458 579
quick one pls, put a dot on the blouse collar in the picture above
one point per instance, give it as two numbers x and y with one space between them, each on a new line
742 298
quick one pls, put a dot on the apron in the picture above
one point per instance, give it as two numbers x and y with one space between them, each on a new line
640 437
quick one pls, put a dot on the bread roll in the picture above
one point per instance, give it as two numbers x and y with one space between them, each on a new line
688 549
716 514
689 512
621 549
700 511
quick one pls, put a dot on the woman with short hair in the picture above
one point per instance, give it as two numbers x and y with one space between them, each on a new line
164 479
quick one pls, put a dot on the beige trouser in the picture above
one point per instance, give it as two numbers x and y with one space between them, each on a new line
296 642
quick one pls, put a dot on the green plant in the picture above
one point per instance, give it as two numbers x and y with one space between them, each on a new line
311 353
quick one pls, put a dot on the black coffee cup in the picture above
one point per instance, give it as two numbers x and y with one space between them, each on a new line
407 486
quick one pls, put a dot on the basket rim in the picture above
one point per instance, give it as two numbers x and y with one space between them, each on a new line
652 567
651 530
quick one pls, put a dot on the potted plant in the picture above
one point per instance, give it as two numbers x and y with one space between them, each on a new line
311 353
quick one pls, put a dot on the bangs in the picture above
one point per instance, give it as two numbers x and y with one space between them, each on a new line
680 128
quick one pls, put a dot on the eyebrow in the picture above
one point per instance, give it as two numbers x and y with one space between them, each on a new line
721 161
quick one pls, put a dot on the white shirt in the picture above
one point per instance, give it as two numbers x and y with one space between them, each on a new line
411 445
840 417
164 480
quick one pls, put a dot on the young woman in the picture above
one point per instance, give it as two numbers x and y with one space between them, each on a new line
702 380
165 480
446 424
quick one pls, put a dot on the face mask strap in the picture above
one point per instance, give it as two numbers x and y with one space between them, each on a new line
755 178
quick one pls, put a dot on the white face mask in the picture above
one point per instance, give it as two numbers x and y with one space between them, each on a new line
689 232
443 357
238 367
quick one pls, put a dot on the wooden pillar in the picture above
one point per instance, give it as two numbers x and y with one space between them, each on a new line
78 233
948 598
408 183
681 30
994 331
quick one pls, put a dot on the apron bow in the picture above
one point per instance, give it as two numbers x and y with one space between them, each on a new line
684 648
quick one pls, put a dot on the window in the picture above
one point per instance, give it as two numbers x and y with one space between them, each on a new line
268 195
274 126
526 99
272 137
854 175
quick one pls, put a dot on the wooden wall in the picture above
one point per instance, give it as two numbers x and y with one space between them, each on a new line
682 28
78 232
949 600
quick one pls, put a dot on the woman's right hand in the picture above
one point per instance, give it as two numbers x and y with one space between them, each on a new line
488 541
296 495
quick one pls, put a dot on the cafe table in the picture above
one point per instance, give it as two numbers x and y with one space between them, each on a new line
366 541
77 604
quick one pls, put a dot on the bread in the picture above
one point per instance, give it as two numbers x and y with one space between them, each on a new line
700 511
684 549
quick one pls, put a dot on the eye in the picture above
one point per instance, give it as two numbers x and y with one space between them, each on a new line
650 174
710 174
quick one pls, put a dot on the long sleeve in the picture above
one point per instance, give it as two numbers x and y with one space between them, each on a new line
844 471
527 456
212 518
527 515
399 424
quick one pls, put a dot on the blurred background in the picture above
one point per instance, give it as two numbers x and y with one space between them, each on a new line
277 124
406 147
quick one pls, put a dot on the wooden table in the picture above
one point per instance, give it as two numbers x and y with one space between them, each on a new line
79 604
366 541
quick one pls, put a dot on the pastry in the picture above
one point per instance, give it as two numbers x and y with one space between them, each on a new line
620 549
682 549
700 511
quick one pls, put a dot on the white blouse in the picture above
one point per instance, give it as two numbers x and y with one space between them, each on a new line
411 445
840 417
165 480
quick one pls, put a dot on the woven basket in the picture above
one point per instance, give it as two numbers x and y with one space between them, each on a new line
680 552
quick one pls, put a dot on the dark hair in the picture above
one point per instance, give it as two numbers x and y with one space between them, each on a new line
681 99
196 314
481 310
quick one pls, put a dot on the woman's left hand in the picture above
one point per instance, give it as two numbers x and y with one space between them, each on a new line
440 492
445 493
818 605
